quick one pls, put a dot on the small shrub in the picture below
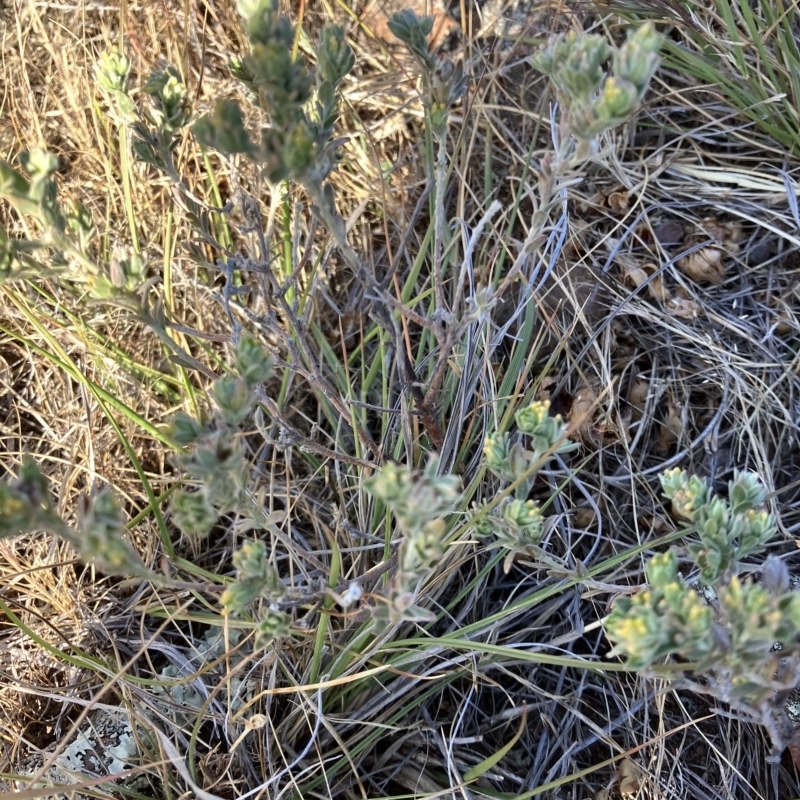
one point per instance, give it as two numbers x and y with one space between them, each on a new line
297 145
740 639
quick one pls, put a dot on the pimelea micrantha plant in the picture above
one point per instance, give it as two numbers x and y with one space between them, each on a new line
517 524
739 638
592 101
420 502
296 144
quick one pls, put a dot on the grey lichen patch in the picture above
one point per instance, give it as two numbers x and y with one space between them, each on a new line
793 708
106 745
187 694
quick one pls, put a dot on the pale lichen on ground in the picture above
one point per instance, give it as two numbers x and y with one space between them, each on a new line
106 745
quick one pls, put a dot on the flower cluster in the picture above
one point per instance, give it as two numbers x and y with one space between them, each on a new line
68 231
517 524
729 632
213 456
444 81
596 101
255 579
297 144
729 530
155 129
547 436
26 506
664 619
419 501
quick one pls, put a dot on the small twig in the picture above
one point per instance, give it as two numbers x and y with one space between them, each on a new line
398 254
304 442
274 292
426 413
438 222
208 337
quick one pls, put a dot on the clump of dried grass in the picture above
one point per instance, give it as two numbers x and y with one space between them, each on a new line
655 362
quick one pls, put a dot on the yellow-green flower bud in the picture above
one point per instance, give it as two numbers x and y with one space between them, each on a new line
389 484
423 547
335 59
745 492
299 149
687 494
175 98
617 101
486 526
508 462
757 529
637 60
712 518
662 569
101 537
545 431
112 70
496 450
239 595
530 420
250 560
273 625
523 514
253 363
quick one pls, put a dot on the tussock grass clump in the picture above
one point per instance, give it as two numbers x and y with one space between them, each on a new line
403 394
